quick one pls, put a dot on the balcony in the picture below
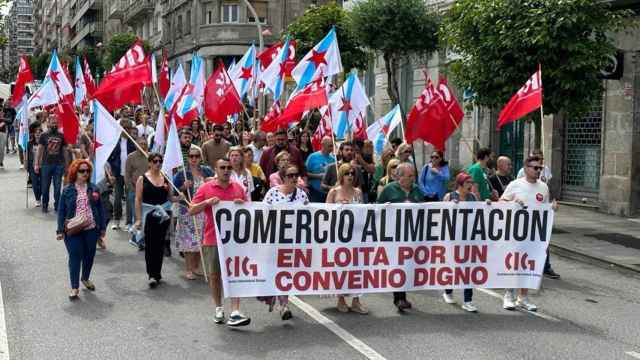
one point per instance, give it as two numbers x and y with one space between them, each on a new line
83 7
138 10
93 29
116 9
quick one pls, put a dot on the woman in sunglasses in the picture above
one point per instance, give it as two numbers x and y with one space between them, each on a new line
80 224
189 229
392 165
287 193
434 178
153 214
345 193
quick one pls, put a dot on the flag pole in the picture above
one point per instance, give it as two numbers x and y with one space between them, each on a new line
195 227
541 113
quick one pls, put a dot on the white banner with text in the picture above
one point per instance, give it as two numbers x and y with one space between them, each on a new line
320 248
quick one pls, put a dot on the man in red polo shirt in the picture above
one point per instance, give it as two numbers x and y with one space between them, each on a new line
221 188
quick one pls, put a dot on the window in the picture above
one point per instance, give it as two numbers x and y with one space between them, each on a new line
155 23
261 10
179 27
230 13
187 23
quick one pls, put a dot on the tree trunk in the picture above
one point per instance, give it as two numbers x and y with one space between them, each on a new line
391 66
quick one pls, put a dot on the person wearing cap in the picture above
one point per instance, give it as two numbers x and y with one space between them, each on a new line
464 185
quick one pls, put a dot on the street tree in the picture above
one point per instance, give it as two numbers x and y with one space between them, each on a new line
501 43
395 29
314 25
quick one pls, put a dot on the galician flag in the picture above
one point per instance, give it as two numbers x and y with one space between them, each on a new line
190 104
347 103
80 85
324 59
379 131
107 135
46 95
159 137
178 82
23 116
243 73
59 77
273 76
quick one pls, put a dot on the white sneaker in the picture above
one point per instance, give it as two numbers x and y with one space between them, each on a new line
21 167
448 298
508 302
525 304
219 318
37 203
116 226
468 306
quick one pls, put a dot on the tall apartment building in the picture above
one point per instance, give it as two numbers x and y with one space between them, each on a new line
86 23
223 29
20 26
49 23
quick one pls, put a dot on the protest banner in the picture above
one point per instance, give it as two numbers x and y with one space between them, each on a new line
319 248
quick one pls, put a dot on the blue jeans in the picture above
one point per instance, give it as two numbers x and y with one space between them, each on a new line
48 173
131 208
36 183
82 249
468 294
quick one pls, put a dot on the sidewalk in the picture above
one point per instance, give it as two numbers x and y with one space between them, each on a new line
589 234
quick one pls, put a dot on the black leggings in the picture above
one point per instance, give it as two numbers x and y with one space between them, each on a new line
154 235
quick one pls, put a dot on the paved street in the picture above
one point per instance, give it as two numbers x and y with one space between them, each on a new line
591 313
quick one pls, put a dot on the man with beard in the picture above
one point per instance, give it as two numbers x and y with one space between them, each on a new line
51 160
347 155
186 139
267 160
216 148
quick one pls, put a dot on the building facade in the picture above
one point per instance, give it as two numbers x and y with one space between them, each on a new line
20 29
594 158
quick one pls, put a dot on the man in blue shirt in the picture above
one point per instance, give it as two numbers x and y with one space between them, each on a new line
316 165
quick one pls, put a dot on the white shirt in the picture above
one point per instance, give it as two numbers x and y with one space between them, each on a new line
245 179
257 153
123 155
145 131
529 193
545 174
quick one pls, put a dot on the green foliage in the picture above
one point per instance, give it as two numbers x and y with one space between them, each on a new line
503 41
395 29
39 65
118 46
316 22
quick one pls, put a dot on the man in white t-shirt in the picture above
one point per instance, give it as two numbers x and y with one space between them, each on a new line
545 174
527 190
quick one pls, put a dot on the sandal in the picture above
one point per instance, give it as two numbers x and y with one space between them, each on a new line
74 294
101 244
359 308
89 285
342 307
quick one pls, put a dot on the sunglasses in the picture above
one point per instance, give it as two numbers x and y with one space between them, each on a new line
350 173
292 175
157 161
194 156
225 167
537 168
435 157
83 171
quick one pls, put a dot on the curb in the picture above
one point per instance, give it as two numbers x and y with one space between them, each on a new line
582 256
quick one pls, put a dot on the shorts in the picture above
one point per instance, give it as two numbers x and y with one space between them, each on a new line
210 259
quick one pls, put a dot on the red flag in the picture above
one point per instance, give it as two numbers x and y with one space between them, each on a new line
88 78
526 100
24 77
427 118
270 122
267 56
323 129
313 96
163 78
220 97
124 83
68 121
360 128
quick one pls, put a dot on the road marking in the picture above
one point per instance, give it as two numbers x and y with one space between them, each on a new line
343 334
4 343
633 354
534 313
